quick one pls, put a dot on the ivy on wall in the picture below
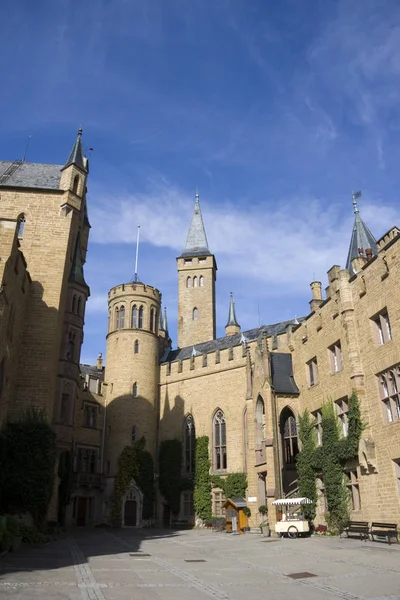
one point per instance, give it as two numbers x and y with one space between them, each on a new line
233 485
329 459
27 474
145 478
202 482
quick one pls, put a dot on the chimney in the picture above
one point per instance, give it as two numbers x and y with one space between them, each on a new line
316 289
368 253
99 362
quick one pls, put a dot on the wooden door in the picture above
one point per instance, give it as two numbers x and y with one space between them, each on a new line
81 513
130 510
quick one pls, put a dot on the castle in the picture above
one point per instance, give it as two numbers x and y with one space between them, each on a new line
243 391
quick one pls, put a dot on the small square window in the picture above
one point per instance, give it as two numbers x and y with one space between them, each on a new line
381 327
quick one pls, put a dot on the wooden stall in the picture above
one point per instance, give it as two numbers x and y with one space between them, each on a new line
235 519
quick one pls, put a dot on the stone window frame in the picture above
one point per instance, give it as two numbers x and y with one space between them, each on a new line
195 282
354 488
140 317
136 347
336 357
90 415
289 436
312 371
87 459
396 464
189 282
381 327
122 317
134 317
135 390
201 281
116 318
317 414
342 410
220 455
195 314
218 499
189 445
389 391
21 222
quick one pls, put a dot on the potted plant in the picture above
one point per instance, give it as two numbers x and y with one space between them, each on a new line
264 525
247 514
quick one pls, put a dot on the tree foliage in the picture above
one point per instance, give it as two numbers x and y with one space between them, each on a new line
306 463
202 483
233 485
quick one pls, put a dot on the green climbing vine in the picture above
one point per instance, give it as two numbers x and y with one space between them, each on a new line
329 459
233 485
27 474
134 463
202 482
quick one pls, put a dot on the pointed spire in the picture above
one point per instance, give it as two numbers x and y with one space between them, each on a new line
161 321
165 322
76 155
196 241
232 315
76 275
361 238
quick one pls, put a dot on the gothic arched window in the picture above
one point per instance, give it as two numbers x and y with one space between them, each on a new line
194 281
152 319
189 445
75 184
219 427
135 390
21 226
136 347
122 317
289 437
195 314
189 282
201 281
140 323
116 321
134 316
260 421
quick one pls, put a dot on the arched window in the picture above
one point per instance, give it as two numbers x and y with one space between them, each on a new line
136 347
75 184
152 319
140 324
260 421
74 303
189 282
78 308
219 426
134 316
116 321
71 346
195 314
194 281
122 317
189 445
289 437
133 434
201 281
135 390
21 226
109 320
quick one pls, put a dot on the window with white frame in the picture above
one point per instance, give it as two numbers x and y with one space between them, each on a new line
354 489
317 414
381 327
336 357
389 386
342 409
93 385
312 369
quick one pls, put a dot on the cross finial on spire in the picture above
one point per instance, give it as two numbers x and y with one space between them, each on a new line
197 194
355 195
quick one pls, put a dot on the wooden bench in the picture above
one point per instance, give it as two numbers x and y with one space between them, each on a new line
388 530
359 528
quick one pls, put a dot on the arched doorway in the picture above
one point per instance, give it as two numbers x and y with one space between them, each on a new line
290 449
132 507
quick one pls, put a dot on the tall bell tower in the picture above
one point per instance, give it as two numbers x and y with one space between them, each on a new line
197 271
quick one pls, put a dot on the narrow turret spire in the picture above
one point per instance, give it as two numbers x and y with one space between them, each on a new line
232 327
196 241
165 322
161 321
76 155
361 238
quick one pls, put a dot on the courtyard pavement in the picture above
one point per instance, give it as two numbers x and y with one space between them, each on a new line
105 564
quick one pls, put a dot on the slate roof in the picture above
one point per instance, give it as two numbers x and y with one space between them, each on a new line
29 175
76 156
361 237
232 320
282 374
230 341
196 242
92 370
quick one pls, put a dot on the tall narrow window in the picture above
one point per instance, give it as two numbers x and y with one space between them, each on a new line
201 281
381 326
389 386
122 317
152 319
312 368
353 487
318 425
397 472
336 357
220 456
135 390
289 437
194 281
74 303
71 346
260 421
64 408
136 347
189 445
134 317
342 410
21 227
78 307
195 314
116 320
75 184
140 324
189 282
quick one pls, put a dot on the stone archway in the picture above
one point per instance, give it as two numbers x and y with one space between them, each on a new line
132 507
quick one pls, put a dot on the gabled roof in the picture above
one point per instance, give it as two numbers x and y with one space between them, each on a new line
29 175
196 242
361 237
232 315
282 374
76 155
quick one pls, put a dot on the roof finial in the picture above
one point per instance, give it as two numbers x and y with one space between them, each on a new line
197 193
355 195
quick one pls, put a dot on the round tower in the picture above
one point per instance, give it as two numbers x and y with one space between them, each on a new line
131 374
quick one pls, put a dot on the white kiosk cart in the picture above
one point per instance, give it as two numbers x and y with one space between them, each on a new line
291 521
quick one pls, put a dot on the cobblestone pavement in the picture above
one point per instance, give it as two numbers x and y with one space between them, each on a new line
199 565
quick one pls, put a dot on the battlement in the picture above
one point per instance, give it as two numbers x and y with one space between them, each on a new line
134 289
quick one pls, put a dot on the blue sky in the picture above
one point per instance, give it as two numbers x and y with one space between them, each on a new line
275 110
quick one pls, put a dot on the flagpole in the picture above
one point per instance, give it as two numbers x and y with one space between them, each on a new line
137 254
